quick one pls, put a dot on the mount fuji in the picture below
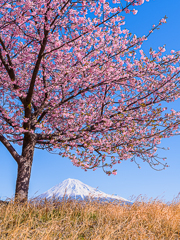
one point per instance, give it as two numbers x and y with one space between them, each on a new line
75 189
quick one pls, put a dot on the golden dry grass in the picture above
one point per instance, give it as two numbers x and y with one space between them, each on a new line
90 220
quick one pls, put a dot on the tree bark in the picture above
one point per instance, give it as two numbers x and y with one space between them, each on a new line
24 169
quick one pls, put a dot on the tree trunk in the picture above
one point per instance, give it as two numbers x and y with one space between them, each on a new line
24 169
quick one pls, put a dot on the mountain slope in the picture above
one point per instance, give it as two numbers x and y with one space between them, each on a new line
72 188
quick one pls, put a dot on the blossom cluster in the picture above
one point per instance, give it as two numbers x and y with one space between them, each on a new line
78 85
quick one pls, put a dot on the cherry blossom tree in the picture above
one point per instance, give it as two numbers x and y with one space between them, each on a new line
73 80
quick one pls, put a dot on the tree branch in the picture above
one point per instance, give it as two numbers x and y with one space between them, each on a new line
8 66
35 72
10 148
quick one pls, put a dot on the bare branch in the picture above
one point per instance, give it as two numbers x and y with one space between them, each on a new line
10 148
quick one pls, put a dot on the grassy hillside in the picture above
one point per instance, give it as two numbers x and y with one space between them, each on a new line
92 220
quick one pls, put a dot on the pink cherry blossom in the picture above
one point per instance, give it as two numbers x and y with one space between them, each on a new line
163 20
127 10
134 11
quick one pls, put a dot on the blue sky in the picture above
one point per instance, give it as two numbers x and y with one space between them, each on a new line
49 170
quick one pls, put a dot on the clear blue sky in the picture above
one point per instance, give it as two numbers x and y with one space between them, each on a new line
49 170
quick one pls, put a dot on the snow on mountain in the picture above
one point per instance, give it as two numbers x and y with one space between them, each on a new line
75 189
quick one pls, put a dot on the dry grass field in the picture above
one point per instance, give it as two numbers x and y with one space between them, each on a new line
71 219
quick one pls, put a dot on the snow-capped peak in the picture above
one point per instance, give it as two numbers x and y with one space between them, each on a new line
74 188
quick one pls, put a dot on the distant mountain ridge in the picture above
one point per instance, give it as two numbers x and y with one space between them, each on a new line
75 189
